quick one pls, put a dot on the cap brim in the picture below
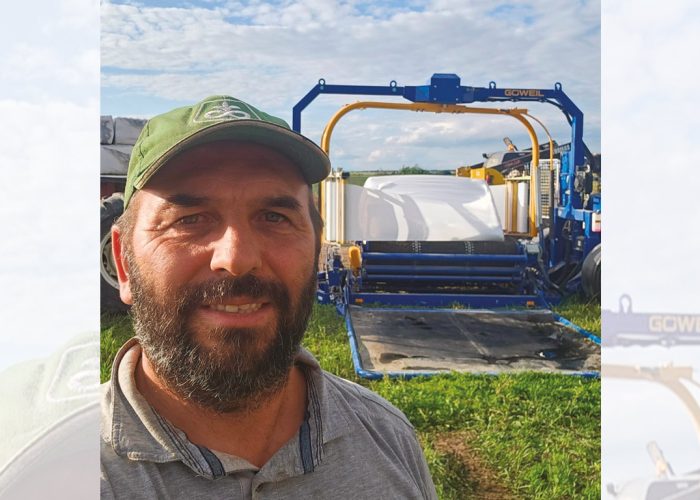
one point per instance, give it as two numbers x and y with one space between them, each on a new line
313 163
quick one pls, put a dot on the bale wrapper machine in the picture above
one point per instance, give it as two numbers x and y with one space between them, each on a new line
416 306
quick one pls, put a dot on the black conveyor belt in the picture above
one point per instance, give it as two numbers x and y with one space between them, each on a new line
398 340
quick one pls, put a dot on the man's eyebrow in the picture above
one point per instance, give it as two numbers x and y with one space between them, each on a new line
186 200
282 202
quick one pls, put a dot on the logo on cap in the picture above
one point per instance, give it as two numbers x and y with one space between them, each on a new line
221 110
77 375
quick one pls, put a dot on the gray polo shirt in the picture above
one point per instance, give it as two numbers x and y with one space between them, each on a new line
352 444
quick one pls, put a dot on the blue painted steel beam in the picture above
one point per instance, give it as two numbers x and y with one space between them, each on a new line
445 88
577 214
322 88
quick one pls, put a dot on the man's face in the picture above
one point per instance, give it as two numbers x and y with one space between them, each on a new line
221 271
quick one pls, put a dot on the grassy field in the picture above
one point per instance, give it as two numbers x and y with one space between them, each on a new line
511 436
359 178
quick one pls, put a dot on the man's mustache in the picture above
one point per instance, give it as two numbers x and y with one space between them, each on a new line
217 290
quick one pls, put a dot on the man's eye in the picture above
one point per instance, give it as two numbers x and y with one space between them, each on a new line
274 217
190 219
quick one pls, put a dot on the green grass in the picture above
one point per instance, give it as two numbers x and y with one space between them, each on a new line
115 330
358 178
585 313
537 434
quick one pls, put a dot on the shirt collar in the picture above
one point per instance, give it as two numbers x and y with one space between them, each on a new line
136 431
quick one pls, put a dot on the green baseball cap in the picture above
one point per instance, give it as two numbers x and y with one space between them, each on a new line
218 118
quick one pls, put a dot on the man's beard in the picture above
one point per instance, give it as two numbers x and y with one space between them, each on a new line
234 373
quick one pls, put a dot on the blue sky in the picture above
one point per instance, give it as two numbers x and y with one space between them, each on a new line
159 55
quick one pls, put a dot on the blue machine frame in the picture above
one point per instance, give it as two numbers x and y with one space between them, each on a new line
572 233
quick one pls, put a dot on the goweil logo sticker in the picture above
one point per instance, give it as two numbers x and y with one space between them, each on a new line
669 323
523 93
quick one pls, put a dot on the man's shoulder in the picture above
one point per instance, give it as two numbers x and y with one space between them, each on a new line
364 403
377 445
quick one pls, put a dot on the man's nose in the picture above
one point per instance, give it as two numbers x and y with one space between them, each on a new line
236 252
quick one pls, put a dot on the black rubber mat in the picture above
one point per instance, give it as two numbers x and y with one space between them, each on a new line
474 341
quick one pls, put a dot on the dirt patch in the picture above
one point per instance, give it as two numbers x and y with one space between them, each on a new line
484 483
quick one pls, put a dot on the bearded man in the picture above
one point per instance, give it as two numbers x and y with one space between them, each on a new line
217 251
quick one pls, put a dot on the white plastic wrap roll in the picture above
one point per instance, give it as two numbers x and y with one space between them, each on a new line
127 130
422 208
330 198
114 159
106 129
499 199
523 205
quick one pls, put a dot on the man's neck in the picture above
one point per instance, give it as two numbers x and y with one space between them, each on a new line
253 435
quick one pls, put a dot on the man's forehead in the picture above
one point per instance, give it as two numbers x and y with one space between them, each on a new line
230 162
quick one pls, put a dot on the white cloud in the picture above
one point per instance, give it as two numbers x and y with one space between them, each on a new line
50 50
49 104
375 155
273 56
47 171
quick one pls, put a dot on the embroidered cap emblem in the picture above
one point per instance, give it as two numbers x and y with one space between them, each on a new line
77 375
214 111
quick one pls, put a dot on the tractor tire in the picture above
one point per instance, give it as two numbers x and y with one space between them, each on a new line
110 209
590 273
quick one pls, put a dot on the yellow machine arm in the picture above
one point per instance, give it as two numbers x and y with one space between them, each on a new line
518 114
670 377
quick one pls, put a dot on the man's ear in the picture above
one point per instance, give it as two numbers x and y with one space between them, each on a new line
122 267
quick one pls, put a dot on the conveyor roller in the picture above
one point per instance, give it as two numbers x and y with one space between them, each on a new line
412 265
507 247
